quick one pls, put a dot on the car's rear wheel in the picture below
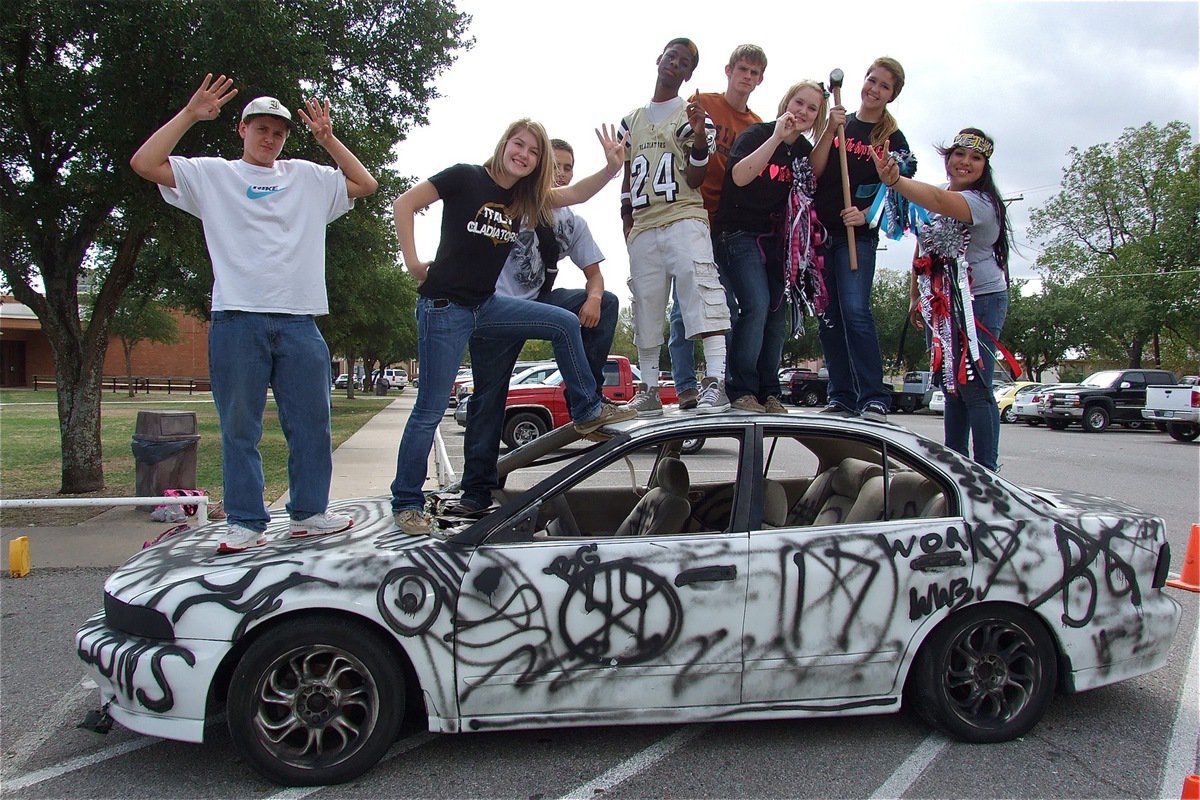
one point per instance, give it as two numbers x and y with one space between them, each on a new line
1183 433
1008 415
691 446
315 702
811 398
1095 419
986 674
522 428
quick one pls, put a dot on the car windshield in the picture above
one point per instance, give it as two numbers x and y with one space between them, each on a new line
1101 380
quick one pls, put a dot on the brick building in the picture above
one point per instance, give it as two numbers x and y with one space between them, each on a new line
25 351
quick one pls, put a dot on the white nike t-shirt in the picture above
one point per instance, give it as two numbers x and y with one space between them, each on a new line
265 229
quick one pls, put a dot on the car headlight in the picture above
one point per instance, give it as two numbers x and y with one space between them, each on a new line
147 623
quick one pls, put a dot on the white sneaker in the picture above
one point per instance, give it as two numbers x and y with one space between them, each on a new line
238 537
413 521
646 402
320 524
712 397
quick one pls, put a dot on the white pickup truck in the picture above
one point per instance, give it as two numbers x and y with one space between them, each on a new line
1177 407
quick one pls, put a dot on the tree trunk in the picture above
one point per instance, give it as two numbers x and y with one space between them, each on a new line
350 357
1135 354
127 346
77 374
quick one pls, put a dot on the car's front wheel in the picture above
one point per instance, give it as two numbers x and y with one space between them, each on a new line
811 398
522 428
1008 415
315 702
1095 419
986 674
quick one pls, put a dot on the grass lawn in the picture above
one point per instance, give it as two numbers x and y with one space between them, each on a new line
30 450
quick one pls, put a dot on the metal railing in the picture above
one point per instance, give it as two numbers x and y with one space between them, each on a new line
200 501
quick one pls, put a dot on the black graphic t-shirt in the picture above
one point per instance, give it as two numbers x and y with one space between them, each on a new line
477 235
864 180
750 207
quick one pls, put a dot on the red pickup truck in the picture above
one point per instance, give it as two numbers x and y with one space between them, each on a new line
533 409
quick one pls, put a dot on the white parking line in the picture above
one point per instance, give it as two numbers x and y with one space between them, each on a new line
911 769
399 748
82 762
636 763
1185 730
57 717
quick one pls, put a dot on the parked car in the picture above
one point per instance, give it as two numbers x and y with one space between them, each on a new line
937 401
1176 408
532 372
1027 408
463 376
1006 395
1115 395
807 388
804 566
344 379
392 378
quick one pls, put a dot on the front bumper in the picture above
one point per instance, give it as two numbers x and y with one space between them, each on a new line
153 687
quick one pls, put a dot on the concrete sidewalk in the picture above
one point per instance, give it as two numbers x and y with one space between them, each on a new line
363 466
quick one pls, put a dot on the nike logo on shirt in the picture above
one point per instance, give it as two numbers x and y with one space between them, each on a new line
255 192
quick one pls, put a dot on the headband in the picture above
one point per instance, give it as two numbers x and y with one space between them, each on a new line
973 141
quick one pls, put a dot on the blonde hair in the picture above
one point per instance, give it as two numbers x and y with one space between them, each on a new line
531 194
822 119
887 125
751 54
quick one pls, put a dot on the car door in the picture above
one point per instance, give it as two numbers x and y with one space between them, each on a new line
832 608
552 627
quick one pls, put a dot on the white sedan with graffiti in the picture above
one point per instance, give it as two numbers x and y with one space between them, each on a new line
798 567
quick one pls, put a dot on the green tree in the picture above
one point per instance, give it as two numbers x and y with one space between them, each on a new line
1123 231
889 304
140 318
84 82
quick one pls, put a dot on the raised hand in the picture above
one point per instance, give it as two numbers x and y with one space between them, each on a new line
695 115
212 95
837 116
317 119
785 125
885 164
614 146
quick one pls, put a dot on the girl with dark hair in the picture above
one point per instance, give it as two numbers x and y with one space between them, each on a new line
848 335
483 209
961 274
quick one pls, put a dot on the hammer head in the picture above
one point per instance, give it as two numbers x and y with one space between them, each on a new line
835 79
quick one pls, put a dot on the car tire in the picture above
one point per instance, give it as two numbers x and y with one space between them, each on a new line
522 428
297 727
1008 415
986 674
1095 419
692 446
1057 424
1183 432
811 398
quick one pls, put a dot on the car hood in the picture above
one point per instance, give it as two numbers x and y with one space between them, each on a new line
191 557
1082 504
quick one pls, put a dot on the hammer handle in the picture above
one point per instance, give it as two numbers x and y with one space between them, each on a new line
841 133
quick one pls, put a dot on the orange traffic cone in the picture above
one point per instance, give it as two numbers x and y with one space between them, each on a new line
1189 576
1191 785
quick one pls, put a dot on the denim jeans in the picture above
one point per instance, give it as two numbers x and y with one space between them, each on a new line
443 331
492 362
972 413
758 333
247 353
847 332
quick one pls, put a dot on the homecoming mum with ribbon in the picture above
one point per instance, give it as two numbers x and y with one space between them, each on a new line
961 275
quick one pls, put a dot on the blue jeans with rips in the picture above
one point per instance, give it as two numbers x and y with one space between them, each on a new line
443 331
758 333
492 362
847 332
972 413
247 353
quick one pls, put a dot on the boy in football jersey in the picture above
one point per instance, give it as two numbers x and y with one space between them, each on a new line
264 222
730 114
666 229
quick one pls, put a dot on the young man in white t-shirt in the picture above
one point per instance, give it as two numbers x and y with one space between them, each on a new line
264 222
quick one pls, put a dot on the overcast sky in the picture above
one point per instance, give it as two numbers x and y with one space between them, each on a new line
1039 77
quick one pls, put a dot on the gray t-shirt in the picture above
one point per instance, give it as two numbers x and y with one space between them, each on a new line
986 275
523 272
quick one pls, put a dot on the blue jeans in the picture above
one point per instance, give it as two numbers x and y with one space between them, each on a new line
847 332
758 333
492 362
247 353
972 413
443 330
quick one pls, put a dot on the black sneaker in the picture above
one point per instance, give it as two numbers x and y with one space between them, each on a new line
874 412
835 410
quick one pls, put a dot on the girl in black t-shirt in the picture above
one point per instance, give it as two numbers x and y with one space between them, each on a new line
847 329
483 208
765 163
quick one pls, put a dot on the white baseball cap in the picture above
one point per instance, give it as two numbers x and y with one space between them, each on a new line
269 106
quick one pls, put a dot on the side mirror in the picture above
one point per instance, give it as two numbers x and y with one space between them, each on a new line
1126 385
